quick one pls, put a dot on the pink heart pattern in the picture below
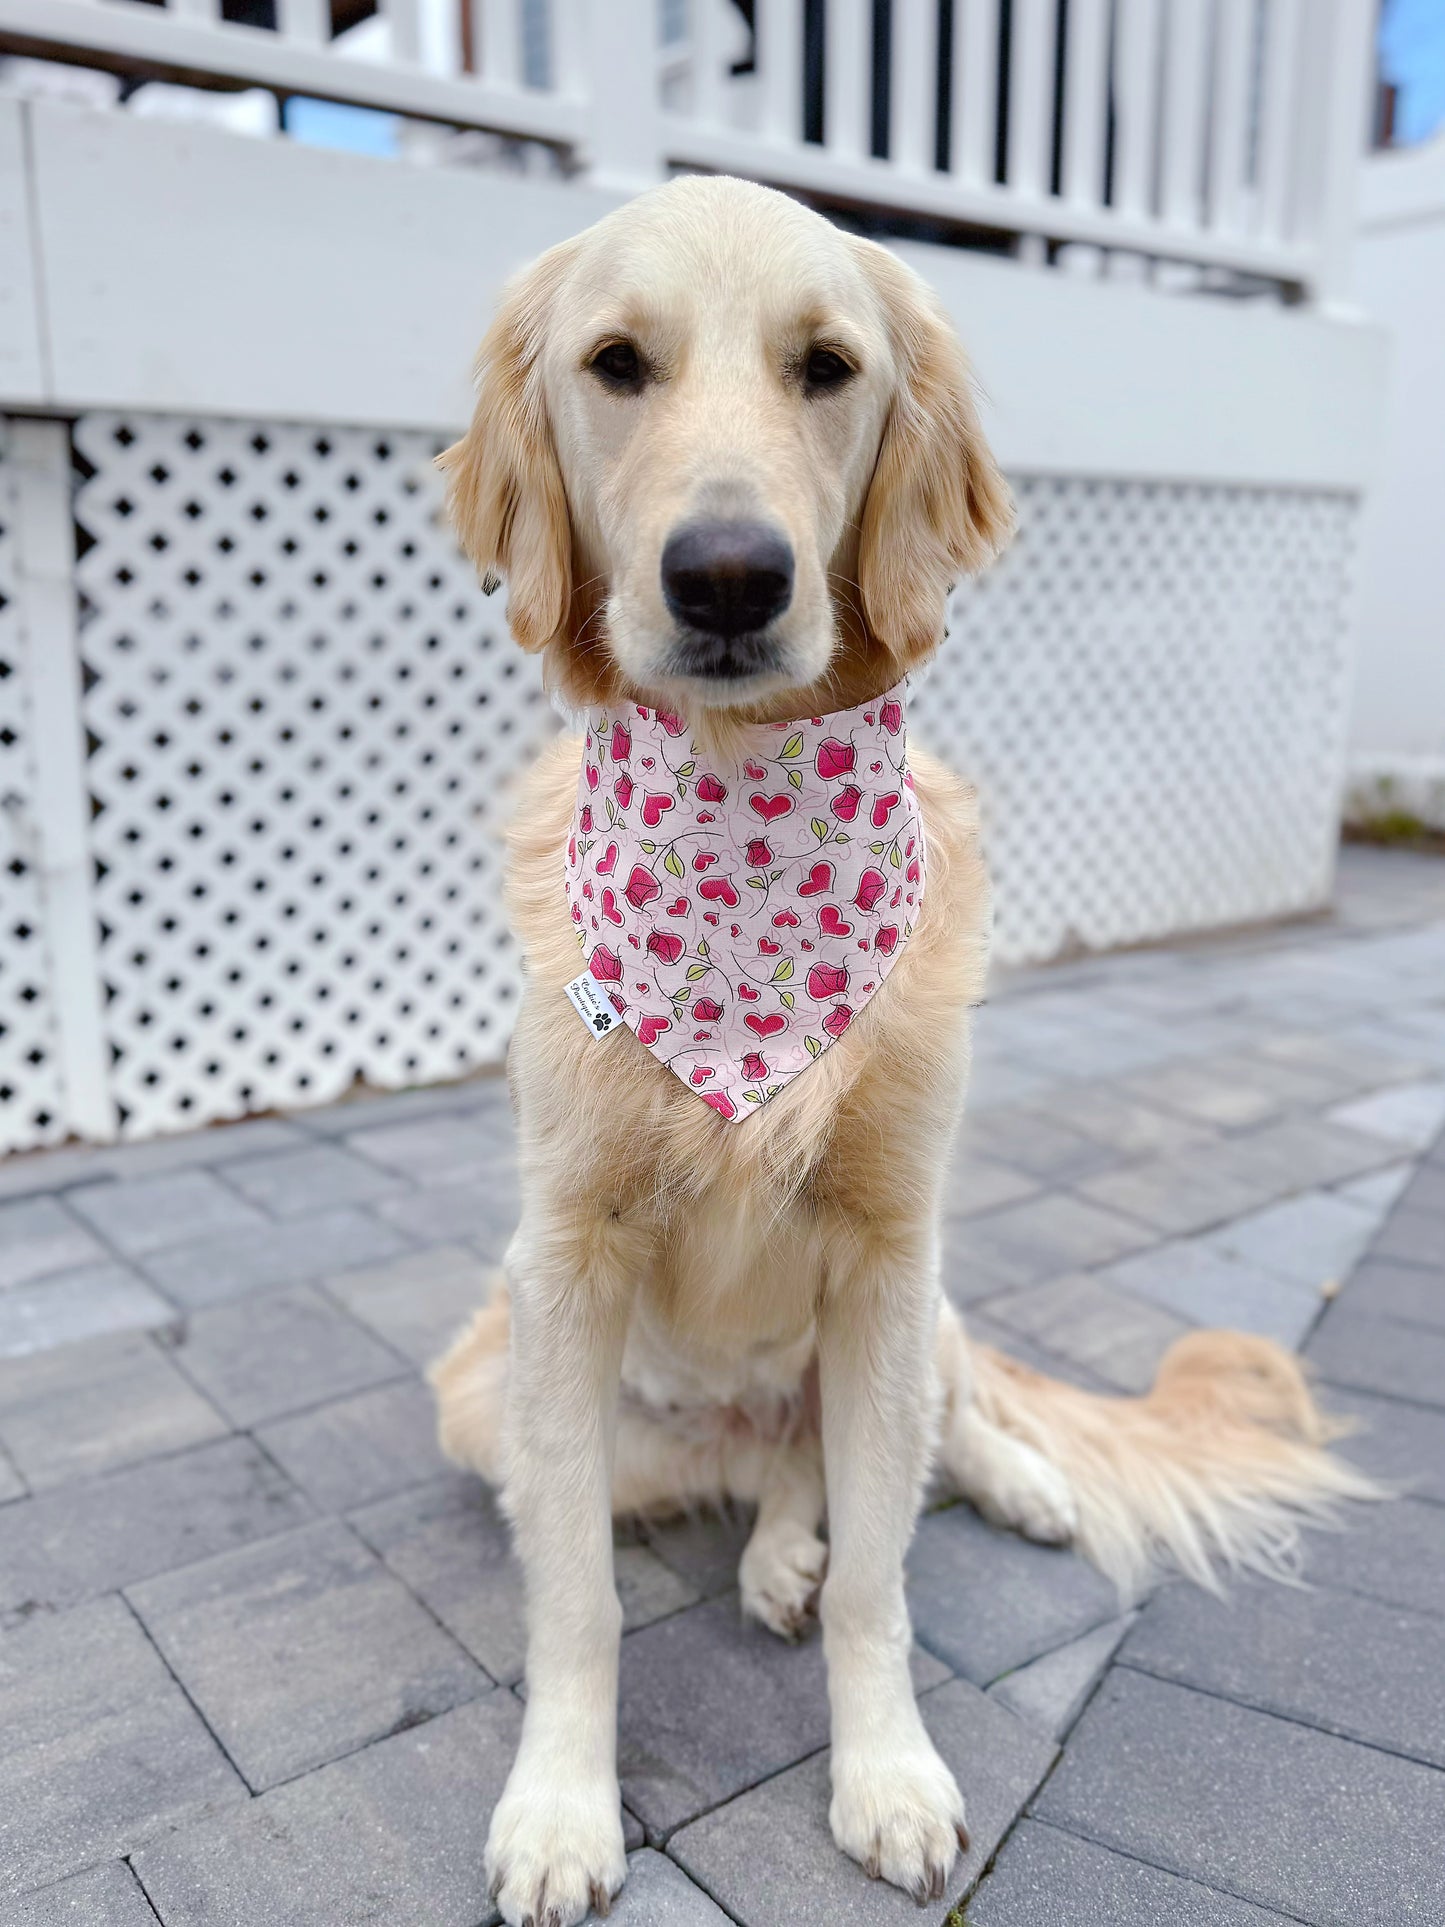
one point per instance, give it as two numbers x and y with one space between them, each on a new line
843 838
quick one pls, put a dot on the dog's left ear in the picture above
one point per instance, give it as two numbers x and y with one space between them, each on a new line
505 493
937 507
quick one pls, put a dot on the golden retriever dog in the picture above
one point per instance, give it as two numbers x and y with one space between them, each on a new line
728 460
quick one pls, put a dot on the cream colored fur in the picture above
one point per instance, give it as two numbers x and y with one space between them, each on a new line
694 1310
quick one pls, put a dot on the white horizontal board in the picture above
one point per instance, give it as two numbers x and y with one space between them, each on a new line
298 285
187 268
1105 378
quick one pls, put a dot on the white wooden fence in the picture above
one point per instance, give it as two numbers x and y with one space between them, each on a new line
1219 133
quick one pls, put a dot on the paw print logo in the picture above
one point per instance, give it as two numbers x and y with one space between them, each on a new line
601 1023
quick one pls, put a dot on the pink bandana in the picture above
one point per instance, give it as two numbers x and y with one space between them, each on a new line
738 916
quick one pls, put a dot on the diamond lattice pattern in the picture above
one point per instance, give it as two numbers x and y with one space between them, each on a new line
31 1096
305 722
1150 691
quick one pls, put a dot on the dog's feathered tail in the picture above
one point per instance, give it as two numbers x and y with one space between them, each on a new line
1212 1473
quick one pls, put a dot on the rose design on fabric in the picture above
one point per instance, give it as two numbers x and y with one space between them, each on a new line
760 904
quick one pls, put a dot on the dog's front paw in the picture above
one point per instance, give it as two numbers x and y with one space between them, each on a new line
555 1848
779 1576
900 1816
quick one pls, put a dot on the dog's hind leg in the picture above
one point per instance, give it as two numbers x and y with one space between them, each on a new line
470 1382
1009 1482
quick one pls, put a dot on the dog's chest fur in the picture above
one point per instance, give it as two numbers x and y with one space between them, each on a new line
734 1223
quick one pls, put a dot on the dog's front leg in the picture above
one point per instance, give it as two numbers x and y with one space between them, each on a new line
896 1807
555 1845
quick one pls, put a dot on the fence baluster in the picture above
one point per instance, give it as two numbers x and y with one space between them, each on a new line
975 91
498 40
1278 111
404 21
780 68
1181 171
1136 95
1031 97
305 21
847 79
706 33
1086 91
913 108
1234 65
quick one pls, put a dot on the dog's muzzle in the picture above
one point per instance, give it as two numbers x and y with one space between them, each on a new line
724 583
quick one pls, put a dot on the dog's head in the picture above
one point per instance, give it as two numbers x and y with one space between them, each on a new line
719 446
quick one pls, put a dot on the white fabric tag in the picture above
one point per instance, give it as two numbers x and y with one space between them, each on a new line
584 993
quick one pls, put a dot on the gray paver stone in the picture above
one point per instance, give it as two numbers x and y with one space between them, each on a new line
446 1149
1301 1653
1051 1692
301 1649
988 1602
1413 1237
148 1214
450 1545
483 1096
1382 1288
1119 1337
1313 1240
1393 1552
38 1236
1191 1279
390 1836
89 1408
417 1303
1409 1114
1028 1141
295 1183
98 1747
211 1270
1401 1443
278 1353
1044 1878
703 1548
1426 1190
1280 1814
110 1532
1043 1237
77 1304
769 1855
483 1210
217 1144
976 1183
362 1448
659 1894
104 1897
710 1704
1378 1355
1114 1119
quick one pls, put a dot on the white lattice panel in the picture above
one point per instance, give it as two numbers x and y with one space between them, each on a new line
31 1094
305 719
1150 691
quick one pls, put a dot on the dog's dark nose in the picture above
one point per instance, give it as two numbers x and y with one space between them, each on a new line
727 578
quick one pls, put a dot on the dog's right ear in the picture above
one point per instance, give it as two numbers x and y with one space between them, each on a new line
504 486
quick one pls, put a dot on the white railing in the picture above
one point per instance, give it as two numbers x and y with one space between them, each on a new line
1222 134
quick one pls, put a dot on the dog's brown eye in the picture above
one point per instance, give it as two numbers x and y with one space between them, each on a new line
618 364
826 368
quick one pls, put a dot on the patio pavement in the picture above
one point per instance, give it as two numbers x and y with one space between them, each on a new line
260 1647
